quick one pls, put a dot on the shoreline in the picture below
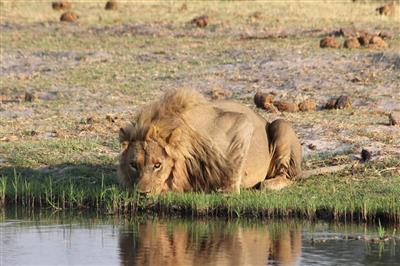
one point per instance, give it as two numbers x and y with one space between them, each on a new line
341 196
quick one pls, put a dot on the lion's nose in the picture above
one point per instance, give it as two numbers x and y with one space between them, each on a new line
144 193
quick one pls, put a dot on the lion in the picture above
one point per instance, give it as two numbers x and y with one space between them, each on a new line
184 142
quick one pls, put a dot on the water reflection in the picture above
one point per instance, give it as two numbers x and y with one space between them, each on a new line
91 239
203 243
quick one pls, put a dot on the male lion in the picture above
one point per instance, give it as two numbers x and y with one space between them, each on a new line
185 143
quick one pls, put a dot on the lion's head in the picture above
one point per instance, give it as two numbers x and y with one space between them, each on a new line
160 152
148 163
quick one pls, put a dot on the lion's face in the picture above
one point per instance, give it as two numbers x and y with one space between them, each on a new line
146 165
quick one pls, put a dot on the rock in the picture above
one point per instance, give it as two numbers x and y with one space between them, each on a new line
111 5
365 155
351 43
63 5
218 93
308 105
263 100
329 42
29 97
385 35
377 42
201 21
311 146
183 7
343 102
364 39
286 106
394 118
111 118
387 10
256 15
344 33
330 104
69 16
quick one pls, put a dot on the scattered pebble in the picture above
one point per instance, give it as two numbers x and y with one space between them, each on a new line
111 5
201 21
387 10
29 97
329 42
308 105
365 155
111 118
343 102
183 7
394 118
351 43
311 146
286 106
262 99
256 15
218 93
69 16
377 42
63 5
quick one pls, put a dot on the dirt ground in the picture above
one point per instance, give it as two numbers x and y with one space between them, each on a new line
66 88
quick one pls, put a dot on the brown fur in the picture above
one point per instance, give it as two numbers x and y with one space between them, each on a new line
204 146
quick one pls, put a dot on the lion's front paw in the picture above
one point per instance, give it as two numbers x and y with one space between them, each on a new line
276 183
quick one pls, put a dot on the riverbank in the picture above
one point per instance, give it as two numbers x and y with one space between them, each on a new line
362 193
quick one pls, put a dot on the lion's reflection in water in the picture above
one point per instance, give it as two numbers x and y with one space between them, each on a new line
216 243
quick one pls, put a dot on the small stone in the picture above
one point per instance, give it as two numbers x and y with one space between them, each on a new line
308 105
29 97
365 155
377 42
331 103
343 102
394 118
387 10
329 42
218 93
183 7
263 100
257 15
69 16
111 5
351 43
201 21
311 146
286 106
63 5
111 118
364 39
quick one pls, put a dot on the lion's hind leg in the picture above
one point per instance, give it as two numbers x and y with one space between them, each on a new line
285 150
240 133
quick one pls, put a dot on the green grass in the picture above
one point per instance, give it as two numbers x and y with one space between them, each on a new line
337 197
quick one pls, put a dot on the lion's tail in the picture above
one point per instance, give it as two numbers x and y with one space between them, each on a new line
324 170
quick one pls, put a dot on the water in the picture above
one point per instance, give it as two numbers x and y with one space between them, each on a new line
87 239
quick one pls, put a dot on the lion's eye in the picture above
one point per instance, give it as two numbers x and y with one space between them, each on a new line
157 165
133 166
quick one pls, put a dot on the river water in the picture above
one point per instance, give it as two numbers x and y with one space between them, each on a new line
47 238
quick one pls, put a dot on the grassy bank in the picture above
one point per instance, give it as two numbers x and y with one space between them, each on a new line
350 195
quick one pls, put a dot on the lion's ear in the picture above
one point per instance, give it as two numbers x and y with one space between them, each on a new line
152 133
174 138
172 142
126 134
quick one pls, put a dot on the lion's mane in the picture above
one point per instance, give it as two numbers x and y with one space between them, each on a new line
197 165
